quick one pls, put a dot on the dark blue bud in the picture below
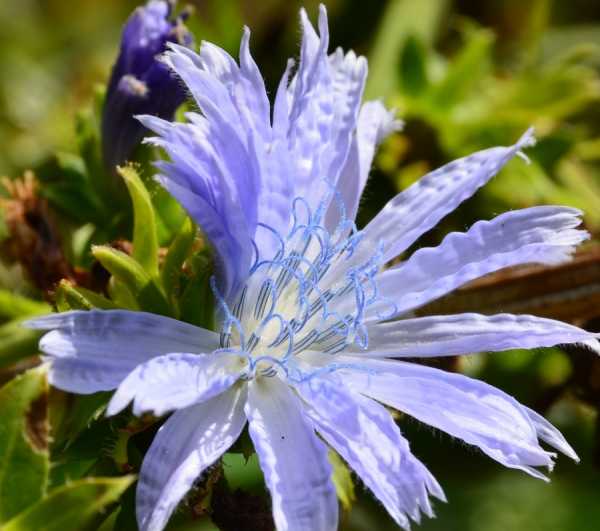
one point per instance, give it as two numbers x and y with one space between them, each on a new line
140 83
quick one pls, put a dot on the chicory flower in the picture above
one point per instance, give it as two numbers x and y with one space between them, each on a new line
139 82
314 330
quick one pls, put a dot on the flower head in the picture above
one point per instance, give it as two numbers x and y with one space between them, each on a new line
313 327
139 82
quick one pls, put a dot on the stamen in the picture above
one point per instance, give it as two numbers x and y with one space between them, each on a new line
313 292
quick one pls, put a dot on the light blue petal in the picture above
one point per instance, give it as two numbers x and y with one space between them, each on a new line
229 157
544 235
224 135
211 95
95 350
324 103
192 157
205 187
281 106
190 441
419 208
176 381
267 155
349 74
293 459
255 99
233 250
466 333
244 83
248 172
311 112
212 159
365 435
375 122
471 410
275 197
313 49
549 434
221 136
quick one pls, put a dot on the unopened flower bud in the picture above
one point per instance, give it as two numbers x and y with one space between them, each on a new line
140 83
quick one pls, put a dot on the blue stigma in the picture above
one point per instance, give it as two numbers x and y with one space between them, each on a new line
311 295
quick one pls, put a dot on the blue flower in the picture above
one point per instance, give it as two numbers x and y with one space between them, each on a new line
139 82
314 330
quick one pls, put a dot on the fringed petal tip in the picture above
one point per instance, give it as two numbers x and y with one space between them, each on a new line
323 22
246 33
483 416
173 47
176 52
386 119
304 20
547 433
165 58
527 140
156 125
580 236
35 324
48 322
391 125
429 488
592 345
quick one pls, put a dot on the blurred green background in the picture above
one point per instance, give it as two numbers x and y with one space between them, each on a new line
464 75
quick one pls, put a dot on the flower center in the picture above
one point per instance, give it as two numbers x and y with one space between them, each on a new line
311 295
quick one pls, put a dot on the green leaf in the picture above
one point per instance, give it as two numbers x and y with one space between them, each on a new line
4 232
77 506
83 437
122 266
400 19
522 185
127 270
145 238
77 298
197 302
169 212
17 342
535 28
151 299
178 251
87 131
589 149
66 184
468 68
242 473
71 414
122 295
342 480
558 41
86 438
582 190
80 241
13 306
413 67
126 518
24 460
